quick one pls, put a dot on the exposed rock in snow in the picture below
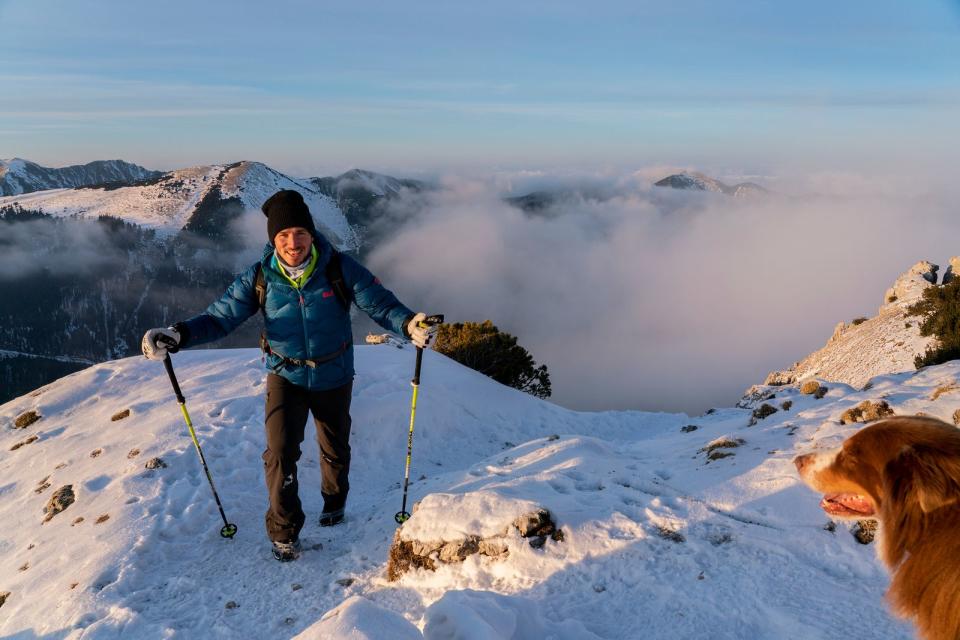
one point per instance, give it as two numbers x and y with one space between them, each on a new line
448 528
59 501
864 348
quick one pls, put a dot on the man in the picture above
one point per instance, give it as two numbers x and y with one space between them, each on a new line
309 354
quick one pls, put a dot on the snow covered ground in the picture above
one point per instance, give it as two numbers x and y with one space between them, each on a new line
658 542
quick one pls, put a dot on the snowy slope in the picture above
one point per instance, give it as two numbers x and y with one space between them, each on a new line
659 542
168 203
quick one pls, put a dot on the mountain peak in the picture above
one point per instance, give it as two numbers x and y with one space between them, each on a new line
695 181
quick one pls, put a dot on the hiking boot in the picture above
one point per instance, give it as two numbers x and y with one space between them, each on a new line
286 551
330 518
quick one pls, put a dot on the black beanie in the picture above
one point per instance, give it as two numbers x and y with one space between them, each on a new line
286 209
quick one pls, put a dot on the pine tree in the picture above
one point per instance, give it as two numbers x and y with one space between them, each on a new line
484 348
939 309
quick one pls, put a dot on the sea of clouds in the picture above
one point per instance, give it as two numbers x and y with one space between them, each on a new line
638 296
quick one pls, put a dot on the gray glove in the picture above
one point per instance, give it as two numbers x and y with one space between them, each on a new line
421 334
158 342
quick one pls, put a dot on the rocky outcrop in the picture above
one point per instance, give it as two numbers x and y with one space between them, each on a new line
953 270
909 287
440 536
868 347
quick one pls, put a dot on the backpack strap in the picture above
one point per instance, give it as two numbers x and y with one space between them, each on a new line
334 273
260 289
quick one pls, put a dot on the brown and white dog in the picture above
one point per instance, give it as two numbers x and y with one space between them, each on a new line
905 472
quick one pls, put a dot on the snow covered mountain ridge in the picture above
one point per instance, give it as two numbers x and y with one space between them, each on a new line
867 347
203 198
669 526
19 176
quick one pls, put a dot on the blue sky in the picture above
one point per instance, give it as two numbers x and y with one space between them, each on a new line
314 88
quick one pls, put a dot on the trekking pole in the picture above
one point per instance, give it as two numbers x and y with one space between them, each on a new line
228 530
402 515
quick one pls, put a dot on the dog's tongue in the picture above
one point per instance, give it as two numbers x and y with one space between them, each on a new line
849 504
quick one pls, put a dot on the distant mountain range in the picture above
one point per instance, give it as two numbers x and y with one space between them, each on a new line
121 248
22 176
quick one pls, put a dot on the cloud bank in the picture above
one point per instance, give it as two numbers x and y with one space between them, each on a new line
642 297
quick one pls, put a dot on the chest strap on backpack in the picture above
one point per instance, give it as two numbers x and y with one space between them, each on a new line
333 271
300 362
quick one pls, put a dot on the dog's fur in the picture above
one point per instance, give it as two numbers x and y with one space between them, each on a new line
904 471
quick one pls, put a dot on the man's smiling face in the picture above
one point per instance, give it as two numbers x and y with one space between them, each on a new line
293 245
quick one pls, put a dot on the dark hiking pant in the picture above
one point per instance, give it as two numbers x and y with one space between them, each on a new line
285 420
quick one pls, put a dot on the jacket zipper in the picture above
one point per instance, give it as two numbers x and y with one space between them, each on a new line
306 337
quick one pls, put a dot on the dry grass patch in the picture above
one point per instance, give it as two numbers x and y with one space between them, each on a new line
26 419
944 388
24 443
866 411
717 449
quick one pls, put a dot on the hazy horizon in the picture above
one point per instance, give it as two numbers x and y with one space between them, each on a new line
747 87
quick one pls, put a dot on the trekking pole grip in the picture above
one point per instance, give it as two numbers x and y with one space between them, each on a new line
429 321
416 372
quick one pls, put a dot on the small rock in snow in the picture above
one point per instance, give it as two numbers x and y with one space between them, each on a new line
231 605
59 501
155 463
120 415
345 582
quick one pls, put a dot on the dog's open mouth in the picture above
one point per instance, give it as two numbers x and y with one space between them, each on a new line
847 504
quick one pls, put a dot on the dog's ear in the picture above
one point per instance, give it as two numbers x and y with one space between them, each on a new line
923 476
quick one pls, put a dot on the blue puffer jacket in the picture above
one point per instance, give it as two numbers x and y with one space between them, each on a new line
307 323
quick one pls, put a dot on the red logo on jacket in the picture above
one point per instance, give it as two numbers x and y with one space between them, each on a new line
328 293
